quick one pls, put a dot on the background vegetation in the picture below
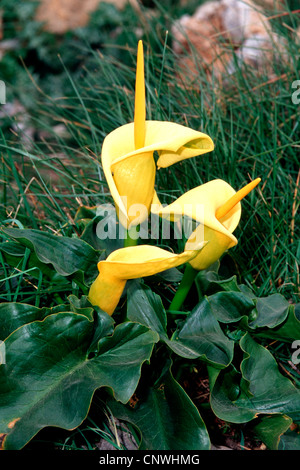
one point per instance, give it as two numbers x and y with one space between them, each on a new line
66 92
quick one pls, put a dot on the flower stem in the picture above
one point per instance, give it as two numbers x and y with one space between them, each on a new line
184 287
131 239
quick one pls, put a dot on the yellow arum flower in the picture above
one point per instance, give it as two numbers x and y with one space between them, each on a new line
216 207
127 155
132 263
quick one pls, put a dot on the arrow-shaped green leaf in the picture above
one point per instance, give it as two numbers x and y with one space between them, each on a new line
167 418
67 255
49 379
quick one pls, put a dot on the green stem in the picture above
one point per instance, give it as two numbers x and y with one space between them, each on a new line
184 287
131 239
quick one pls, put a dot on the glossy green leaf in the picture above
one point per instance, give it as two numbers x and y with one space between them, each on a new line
166 418
271 311
49 376
259 388
14 314
288 331
270 428
200 336
81 305
225 394
103 323
230 306
66 255
208 282
145 307
265 312
290 440
14 253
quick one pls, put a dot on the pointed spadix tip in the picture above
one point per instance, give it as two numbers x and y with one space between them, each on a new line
236 198
256 181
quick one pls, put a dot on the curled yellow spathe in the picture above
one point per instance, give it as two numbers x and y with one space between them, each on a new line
217 209
127 154
130 173
132 263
